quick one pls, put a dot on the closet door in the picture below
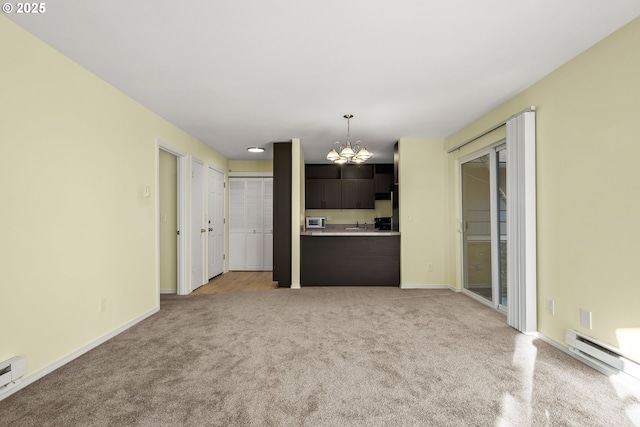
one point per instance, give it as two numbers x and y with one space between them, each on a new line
254 206
237 245
251 224
267 240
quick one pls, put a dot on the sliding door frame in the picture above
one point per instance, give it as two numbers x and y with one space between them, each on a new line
491 151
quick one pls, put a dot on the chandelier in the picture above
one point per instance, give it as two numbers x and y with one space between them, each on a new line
348 152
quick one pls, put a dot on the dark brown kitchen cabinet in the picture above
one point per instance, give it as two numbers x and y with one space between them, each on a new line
358 194
323 171
383 178
396 164
357 171
323 194
380 255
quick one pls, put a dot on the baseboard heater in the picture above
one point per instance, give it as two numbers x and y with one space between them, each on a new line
11 370
603 355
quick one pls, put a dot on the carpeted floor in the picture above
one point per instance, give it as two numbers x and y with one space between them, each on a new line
323 357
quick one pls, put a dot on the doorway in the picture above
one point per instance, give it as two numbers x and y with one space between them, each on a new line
170 217
484 226
215 222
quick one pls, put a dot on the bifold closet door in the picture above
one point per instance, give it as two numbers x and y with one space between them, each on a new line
237 258
267 240
250 224
254 230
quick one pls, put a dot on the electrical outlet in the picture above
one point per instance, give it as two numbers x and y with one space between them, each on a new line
586 319
103 304
551 307
429 267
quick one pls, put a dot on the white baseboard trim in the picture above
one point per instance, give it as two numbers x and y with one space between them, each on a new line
168 291
424 286
23 382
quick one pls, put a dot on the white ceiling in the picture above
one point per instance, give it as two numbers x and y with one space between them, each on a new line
241 73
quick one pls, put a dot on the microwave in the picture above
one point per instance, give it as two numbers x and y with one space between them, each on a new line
315 222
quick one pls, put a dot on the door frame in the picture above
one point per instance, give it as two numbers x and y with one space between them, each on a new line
491 150
181 174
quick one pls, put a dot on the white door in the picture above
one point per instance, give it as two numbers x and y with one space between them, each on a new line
267 240
237 259
198 229
254 205
251 224
215 215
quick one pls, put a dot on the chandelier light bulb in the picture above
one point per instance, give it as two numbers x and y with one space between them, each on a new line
333 155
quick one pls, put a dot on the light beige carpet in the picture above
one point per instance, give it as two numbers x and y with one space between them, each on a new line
323 357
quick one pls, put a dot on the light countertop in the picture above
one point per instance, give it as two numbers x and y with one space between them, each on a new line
346 232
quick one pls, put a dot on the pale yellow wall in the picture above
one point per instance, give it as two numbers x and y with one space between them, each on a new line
351 216
297 208
76 155
250 166
587 189
168 221
423 198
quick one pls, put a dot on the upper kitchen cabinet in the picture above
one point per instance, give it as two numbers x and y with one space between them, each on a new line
383 178
323 171
323 187
323 194
340 187
396 164
358 194
357 171
358 190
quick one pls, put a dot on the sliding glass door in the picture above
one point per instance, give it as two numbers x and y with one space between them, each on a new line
484 219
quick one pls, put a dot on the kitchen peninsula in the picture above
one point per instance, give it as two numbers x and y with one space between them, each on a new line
343 257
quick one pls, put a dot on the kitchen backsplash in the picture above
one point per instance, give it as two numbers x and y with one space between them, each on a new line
383 208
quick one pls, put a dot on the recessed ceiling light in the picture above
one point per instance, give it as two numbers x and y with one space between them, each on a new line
255 149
